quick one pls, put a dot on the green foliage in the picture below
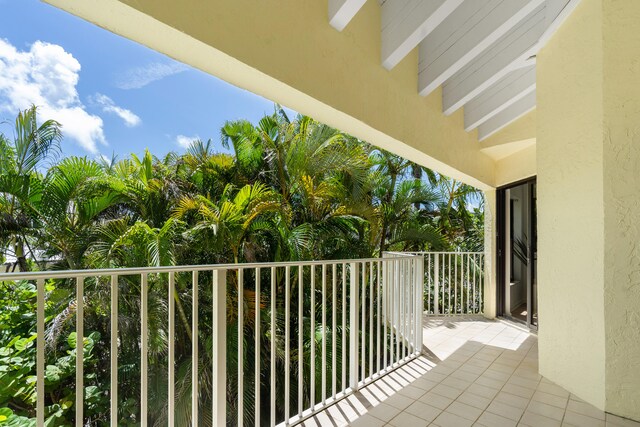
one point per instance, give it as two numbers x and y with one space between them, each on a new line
293 189
18 358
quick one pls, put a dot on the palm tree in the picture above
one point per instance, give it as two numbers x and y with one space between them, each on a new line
400 200
453 214
74 195
229 222
293 189
20 188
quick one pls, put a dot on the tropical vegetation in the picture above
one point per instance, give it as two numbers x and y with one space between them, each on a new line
282 189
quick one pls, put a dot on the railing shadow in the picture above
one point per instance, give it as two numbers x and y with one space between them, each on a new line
502 352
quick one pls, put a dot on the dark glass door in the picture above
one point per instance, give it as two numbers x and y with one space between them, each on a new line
517 253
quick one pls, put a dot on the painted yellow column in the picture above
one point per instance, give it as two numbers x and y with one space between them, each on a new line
588 160
490 278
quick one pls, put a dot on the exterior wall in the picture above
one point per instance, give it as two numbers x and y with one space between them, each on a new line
570 206
521 130
288 52
587 154
490 244
589 205
516 167
621 108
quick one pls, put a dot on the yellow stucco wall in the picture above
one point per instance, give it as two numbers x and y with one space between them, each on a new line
589 205
586 125
293 56
621 109
490 245
522 129
517 166
570 206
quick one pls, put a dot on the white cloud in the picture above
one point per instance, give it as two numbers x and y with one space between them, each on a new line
185 141
108 106
138 77
46 76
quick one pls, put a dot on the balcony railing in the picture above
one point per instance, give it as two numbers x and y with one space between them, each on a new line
454 282
268 343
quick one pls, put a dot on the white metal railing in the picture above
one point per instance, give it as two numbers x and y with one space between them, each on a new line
453 282
315 333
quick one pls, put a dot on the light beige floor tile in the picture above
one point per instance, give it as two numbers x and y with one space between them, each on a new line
551 388
464 375
496 375
585 409
523 382
424 383
474 400
323 419
405 419
615 421
518 391
502 368
346 409
574 397
412 392
512 400
433 399
490 382
465 411
456 383
536 420
447 419
472 369
483 391
505 410
578 420
493 420
367 421
550 399
423 410
545 410
434 376
384 412
399 401
446 391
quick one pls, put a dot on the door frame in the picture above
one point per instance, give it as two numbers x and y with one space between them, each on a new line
501 236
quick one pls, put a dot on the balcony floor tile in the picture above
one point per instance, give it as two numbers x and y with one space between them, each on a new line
473 371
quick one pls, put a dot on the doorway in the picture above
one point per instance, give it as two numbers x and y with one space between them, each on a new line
517 253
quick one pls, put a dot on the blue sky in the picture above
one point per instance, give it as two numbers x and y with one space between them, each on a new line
111 94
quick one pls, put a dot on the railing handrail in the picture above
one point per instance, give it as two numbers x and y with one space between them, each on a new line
440 252
130 271
385 303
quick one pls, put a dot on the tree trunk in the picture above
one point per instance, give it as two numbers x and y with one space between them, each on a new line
385 224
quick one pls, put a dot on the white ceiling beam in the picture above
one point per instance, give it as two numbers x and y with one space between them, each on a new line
557 12
515 86
341 12
405 23
507 54
503 118
464 35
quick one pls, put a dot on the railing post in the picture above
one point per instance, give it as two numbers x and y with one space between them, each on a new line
219 316
436 285
353 326
40 359
194 349
419 301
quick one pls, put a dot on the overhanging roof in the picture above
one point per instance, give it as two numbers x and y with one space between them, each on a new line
481 52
